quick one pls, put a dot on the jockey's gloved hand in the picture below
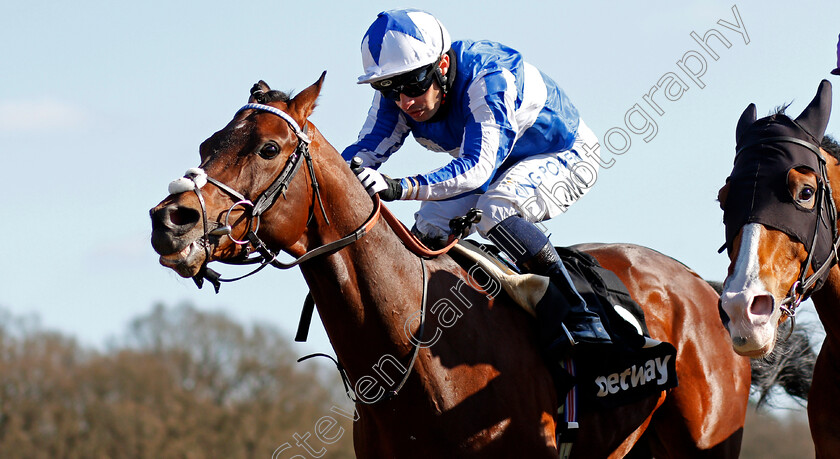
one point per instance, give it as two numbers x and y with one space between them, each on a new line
389 189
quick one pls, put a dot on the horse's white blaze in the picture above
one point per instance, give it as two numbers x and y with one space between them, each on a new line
745 274
752 329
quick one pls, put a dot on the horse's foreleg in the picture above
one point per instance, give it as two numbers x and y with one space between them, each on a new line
704 415
631 441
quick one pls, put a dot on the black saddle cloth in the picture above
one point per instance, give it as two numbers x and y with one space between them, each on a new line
626 372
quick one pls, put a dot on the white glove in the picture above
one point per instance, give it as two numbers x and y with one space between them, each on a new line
372 180
388 189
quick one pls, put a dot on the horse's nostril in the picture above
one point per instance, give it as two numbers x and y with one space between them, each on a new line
174 218
184 216
762 305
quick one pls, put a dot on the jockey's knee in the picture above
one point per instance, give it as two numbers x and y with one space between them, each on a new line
493 210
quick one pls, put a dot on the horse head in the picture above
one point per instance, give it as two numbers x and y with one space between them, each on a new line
780 219
254 183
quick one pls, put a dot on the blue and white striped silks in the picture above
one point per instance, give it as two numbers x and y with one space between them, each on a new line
502 110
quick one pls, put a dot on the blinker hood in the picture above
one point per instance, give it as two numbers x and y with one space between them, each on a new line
766 151
758 188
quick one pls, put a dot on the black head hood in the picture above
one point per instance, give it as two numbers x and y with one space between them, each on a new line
766 150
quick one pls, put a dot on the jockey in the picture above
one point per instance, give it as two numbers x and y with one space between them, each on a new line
521 152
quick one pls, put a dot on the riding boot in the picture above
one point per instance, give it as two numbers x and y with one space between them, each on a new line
583 324
564 323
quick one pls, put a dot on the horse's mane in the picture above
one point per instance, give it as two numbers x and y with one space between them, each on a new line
272 95
831 146
779 110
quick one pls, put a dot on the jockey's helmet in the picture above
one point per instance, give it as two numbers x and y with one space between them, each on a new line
400 41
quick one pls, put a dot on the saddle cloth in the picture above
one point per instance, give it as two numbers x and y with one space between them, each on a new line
635 367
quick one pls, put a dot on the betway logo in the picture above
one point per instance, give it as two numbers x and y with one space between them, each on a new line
653 369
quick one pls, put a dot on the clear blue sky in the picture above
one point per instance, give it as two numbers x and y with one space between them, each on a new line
103 103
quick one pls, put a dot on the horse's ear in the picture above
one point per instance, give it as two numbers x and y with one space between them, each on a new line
257 91
814 118
303 103
747 119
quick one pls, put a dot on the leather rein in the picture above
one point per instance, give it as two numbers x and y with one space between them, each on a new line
265 256
263 202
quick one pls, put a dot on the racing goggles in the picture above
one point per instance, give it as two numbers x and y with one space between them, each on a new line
413 84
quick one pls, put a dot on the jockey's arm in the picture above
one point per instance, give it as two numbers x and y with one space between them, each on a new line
382 134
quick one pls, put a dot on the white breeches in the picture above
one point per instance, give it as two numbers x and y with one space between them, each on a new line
537 188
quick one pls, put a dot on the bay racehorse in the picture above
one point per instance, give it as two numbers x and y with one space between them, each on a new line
461 377
780 212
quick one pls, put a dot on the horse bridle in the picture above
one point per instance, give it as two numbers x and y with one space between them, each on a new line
803 287
264 202
266 256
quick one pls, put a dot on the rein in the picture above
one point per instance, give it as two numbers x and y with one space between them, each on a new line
263 202
803 287
266 199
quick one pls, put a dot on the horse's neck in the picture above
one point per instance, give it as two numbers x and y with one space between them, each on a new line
367 291
827 303
827 298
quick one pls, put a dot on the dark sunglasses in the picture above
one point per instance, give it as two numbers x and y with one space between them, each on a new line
413 84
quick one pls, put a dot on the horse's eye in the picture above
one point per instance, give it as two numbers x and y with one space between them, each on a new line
805 194
269 150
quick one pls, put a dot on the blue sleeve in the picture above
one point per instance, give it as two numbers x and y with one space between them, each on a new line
382 134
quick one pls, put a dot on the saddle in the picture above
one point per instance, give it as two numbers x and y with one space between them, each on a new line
635 367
